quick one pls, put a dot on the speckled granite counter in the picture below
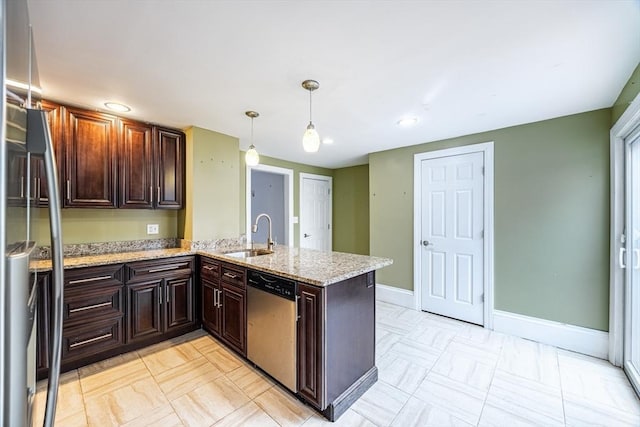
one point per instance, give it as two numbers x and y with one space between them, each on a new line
111 258
306 265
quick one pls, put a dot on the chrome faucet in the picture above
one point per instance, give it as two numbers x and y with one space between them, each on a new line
254 229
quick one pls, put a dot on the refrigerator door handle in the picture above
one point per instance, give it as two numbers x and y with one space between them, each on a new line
39 140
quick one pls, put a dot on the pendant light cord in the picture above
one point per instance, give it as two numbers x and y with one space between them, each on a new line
251 131
310 106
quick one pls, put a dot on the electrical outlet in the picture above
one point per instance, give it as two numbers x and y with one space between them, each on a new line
153 228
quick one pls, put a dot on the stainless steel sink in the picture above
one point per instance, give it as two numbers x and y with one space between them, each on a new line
248 253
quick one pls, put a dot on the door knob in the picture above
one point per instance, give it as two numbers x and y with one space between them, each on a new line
426 243
307 235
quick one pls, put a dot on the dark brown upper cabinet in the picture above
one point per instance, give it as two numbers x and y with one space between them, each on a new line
90 159
137 187
170 168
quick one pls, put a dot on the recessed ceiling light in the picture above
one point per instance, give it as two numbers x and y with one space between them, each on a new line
407 121
116 106
327 141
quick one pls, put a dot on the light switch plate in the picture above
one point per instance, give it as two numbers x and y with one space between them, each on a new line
153 228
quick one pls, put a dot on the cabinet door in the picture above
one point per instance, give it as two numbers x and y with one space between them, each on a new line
210 312
136 165
90 159
310 343
170 164
17 177
179 302
144 310
41 190
233 317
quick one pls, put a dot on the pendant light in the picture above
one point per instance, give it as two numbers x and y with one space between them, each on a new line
252 157
310 139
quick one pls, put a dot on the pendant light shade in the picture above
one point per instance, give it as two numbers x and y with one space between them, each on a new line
251 157
310 139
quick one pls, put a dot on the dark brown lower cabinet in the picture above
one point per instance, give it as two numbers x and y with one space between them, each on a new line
310 343
223 302
336 330
160 298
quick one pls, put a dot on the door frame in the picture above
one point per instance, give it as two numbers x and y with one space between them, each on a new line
488 259
330 181
288 198
620 131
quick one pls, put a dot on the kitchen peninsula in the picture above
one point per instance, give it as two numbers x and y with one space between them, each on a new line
334 309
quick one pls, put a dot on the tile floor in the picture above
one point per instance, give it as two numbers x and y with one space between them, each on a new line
433 371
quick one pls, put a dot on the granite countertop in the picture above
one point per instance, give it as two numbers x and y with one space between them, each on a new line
111 258
306 265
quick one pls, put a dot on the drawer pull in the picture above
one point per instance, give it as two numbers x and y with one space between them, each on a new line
90 307
90 340
173 267
230 275
208 268
90 279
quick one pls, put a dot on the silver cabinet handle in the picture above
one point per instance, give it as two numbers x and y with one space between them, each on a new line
151 194
22 187
160 295
38 190
90 307
90 279
90 340
230 275
158 202
168 293
68 190
219 299
297 303
173 267
208 267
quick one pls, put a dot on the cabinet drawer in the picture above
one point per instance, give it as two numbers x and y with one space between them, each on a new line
209 269
103 275
233 275
85 303
143 270
91 338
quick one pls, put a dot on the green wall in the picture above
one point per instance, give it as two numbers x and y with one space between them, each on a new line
628 94
351 210
212 187
297 168
108 225
551 216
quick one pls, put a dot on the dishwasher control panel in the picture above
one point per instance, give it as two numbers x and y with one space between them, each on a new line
275 285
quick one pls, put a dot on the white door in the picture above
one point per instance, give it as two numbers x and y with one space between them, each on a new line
632 282
315 212
452 236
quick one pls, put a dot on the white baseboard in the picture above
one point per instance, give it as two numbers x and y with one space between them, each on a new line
569 337
393 295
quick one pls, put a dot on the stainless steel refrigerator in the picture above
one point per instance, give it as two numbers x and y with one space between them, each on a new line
25 145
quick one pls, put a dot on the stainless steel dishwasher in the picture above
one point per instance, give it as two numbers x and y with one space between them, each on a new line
271 326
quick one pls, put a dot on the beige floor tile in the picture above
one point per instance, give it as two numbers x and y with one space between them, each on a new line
205 344
70 402
349 419
160 361
163 416
381 403
180 380
78 419
103 365
224 360
250 381
117 407
209 403
417 413
282 407
250 415
112 374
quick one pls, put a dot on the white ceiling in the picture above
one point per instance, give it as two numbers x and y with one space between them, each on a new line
459 66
